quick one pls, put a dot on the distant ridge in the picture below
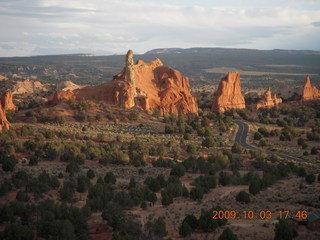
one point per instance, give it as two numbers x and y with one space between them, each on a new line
68 54
203 66
165 50
220 50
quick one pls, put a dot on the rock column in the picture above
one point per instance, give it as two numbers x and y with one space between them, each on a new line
129 68
310 92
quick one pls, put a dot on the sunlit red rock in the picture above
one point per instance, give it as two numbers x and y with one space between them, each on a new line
229 95
7 103
268 100
4 123
310 92
143 85
3 78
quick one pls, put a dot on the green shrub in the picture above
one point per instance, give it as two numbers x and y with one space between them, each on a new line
227 234
185 229
209 142
178 170
192 221
90 174
187 136
110 178
236 148
17 231
156 112
196 193
284 231
243 197
310 178
255 186
257 136
191 148
134 115
314 151
167 199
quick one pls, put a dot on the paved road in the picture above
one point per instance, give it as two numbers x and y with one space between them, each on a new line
242 134
241 138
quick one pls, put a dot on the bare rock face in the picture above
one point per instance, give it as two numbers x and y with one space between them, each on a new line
143 85
268 100
3 78
62 96
4 123
229 95
66 85
310 92
29 87
129 68
7 103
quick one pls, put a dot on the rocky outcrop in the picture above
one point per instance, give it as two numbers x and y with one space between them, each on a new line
29 87
4 123
268 100
7 103
142 85
3 78
310 92
62 96
229 95
66 85
129 68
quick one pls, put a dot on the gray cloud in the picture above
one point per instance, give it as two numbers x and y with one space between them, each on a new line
46 27
316 24
54 50
6 46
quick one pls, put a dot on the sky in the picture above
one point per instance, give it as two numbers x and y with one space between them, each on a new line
102 27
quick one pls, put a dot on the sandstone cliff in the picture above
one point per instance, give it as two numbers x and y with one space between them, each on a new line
229 94
268 100
310 92
5 104
4 123
143 85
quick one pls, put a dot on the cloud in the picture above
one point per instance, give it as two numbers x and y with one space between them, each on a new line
116 25
5 46
54 50
316 24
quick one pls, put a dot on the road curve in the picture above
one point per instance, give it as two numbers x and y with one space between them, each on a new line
241 138
242 134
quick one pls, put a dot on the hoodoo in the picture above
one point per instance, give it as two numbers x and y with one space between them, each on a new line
310 92
229 95
143 85
268 100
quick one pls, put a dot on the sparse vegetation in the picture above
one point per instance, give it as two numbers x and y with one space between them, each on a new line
124 168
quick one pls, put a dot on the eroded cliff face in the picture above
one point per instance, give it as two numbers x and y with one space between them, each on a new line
4 123
5 105
268 100
229 95
310 92
143 85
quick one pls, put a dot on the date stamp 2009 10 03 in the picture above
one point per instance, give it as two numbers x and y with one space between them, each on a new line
263 214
